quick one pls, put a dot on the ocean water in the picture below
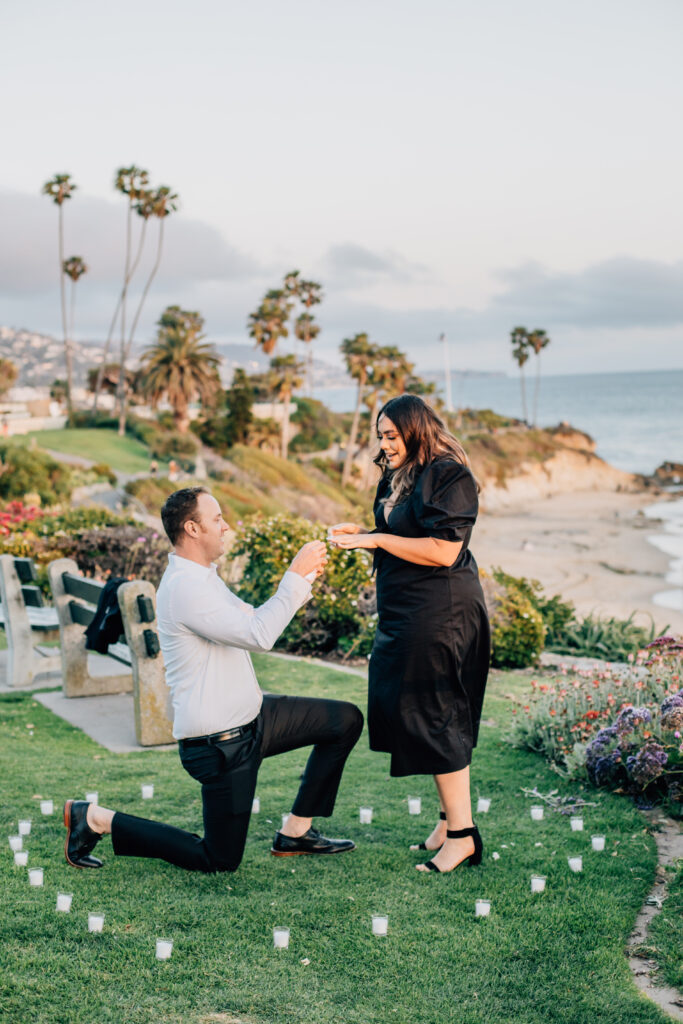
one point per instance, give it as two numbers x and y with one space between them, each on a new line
636 419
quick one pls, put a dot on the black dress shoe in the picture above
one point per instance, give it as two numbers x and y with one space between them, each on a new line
309 842
80 838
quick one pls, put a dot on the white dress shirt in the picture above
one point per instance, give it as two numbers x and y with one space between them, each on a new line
205 633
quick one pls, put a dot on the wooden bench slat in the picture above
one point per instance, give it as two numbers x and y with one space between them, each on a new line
81 614
33 597
25 570
85 589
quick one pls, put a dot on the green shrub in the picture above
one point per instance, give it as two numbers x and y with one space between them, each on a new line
133 551
339 616
516 630
29 471
593 637
104 471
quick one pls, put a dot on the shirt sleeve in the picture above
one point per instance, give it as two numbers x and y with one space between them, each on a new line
446 502
221 617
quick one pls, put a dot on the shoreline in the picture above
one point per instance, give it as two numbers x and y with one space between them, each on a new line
593 548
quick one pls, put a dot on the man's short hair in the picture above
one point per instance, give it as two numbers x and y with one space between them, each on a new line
178 508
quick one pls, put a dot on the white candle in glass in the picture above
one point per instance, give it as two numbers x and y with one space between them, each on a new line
576 824
16 843
281 938
164 948
537 883
35 876
483 804
95 922
21 858
482 908
414 805
380 924
64 902
92 796
25 827
598 843
47 807
575 863
365 815
537 812
147 790
255 805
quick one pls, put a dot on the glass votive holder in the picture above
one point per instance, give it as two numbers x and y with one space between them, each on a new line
255 805
537 883
21 858
92 796
537 812
365 814
482 908
95 922
47 807
16 843
25 827
147 789
598 843
576 824
575 864
380 924
64 902
35 876
280 938
483 804
164 948
414 805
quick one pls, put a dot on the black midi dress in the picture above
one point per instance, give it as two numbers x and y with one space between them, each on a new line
430 658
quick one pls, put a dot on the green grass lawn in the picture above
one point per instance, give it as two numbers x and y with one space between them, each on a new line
123 454
555 958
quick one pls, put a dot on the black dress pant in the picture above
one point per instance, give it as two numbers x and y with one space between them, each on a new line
227 772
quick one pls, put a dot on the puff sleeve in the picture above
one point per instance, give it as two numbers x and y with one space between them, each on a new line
446 502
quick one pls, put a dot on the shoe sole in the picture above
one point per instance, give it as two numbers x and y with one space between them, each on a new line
309 853
67 823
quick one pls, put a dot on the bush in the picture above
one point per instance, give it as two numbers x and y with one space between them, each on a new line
555 613
133 551
340 617
610 639
28 471
104 471
516 630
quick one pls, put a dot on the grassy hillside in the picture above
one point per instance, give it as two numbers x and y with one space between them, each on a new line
123 454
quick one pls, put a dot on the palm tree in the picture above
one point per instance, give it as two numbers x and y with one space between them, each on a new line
308 293
60 188
358 355
74 268
144 209
284 378
537 340
159 203
268 323
8 375
180 365
519 338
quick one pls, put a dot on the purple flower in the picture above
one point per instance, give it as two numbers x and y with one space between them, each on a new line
630 717
647 765
675 700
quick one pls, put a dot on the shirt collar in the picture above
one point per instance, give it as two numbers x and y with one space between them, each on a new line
186 565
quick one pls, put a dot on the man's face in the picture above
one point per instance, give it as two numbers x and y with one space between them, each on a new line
211 527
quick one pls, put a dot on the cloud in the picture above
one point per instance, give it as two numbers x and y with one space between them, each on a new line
194 251
350 266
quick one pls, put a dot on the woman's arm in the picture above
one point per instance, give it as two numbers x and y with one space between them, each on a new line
419 550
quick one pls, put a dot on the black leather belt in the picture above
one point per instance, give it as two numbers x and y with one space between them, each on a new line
218 737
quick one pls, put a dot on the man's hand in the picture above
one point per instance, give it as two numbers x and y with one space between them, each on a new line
312 558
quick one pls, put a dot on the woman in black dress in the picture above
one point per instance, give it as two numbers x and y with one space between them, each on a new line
430 658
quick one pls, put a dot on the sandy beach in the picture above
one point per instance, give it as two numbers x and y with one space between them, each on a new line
591 547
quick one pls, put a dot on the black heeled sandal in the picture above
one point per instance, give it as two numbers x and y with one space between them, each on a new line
473 859
422 846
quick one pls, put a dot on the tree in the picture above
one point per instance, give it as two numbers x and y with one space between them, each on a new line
285 376
60 188
8 375
268 323
239 399
358 354
180 365
308 293
537 340
74 268
519 338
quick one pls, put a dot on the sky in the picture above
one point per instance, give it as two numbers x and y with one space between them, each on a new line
440 167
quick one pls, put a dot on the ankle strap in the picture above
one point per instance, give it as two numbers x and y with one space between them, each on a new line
460 833
442 815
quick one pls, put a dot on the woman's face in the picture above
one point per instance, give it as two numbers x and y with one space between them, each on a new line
391 443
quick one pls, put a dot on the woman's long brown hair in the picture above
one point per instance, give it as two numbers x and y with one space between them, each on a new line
425 436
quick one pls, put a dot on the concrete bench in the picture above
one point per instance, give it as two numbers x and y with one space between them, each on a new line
23 614
76 598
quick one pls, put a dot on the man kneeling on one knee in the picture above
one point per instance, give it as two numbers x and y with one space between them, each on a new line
224 724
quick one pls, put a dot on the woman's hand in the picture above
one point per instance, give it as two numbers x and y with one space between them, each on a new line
342 528
355 540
